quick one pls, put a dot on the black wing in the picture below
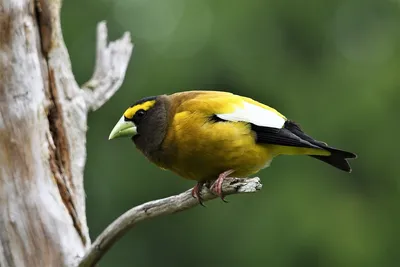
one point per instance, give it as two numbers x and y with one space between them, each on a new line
283 137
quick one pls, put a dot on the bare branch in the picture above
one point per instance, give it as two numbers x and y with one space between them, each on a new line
157 208
111 65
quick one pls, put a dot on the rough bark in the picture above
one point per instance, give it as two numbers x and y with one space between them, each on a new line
43 120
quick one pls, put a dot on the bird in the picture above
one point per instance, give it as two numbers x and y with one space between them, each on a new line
205 135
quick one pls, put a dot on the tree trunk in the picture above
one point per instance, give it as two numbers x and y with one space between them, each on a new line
43 120
40 220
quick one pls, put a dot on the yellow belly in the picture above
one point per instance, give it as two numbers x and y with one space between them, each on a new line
201 150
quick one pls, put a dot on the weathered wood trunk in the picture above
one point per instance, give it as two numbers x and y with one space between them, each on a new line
43 121
42 207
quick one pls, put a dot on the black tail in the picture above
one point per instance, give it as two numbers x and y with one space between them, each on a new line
338 158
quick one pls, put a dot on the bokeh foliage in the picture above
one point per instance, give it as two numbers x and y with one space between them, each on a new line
331 65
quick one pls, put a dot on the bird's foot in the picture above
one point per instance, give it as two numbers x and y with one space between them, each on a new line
196 192
217 187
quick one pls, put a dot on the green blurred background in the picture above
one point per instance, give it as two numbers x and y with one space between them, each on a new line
331 65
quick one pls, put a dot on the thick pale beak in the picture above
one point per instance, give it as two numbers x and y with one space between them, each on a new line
123 129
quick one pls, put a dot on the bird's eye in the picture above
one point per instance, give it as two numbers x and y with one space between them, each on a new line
140 113
138 116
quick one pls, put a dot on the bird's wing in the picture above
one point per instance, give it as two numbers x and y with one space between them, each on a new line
248 110
266 122
231 107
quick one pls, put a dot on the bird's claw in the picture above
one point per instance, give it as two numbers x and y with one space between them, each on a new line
196 192
217 187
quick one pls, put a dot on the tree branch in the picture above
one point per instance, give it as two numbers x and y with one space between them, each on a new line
157 208
111 65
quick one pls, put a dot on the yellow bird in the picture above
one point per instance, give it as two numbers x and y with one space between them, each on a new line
210 135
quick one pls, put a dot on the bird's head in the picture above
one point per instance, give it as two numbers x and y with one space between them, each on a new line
145 122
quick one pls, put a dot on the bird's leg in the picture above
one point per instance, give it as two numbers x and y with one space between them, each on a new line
196 192
217 188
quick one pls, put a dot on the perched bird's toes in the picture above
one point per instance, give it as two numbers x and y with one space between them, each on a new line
196 192
217 187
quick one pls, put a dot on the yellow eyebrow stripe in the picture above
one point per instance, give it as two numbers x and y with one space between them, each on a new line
130 112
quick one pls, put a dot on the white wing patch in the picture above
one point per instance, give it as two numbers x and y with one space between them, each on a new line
254 114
